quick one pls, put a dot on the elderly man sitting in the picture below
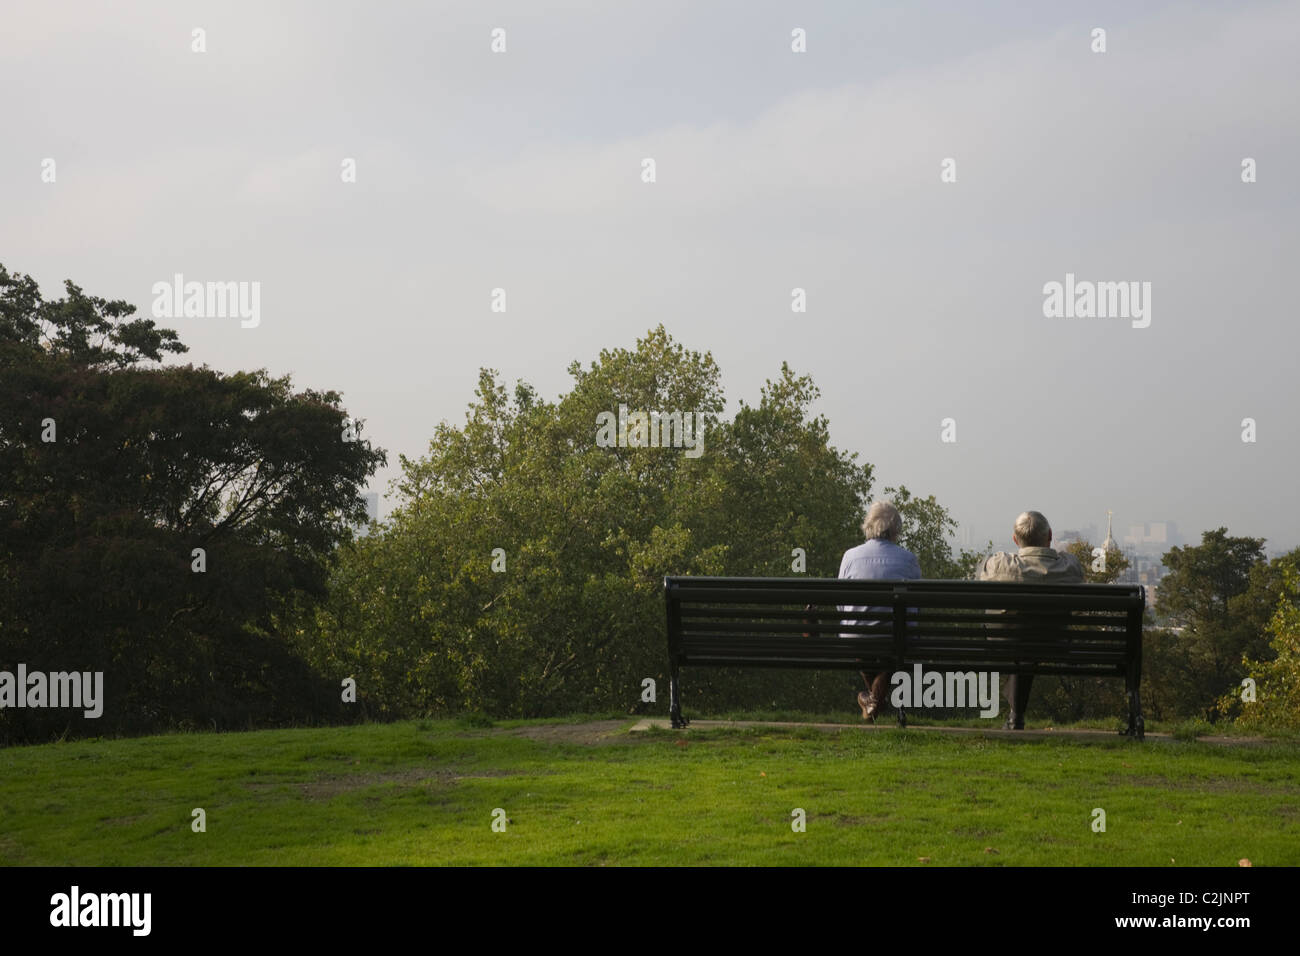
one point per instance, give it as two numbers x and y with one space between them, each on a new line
881 558
1036 562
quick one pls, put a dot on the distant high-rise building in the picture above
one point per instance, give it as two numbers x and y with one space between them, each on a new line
1155 537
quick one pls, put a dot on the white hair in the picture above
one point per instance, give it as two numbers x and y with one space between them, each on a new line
1033 531
882 521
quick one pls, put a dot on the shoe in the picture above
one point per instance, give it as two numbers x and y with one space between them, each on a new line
1014 722
868 704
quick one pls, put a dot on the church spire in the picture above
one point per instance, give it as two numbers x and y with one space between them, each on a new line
1109 544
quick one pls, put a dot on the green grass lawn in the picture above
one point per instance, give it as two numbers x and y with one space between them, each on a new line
424 793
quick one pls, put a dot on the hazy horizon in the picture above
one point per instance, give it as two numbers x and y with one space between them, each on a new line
775 170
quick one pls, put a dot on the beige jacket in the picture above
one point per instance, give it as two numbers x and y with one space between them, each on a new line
1032 566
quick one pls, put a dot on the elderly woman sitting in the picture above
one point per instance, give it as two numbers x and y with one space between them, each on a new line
882 558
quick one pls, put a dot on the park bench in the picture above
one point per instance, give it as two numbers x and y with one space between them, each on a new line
1064 629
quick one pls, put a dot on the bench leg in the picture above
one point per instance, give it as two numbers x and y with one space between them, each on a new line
675 701
1136 725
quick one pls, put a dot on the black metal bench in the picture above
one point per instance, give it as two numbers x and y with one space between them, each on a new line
1066 629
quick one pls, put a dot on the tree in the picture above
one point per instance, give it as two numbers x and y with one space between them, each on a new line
1101 569
155 520
1275 674
927 528
522 572
1219 596
776 484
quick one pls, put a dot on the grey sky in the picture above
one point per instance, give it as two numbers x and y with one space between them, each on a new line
775 170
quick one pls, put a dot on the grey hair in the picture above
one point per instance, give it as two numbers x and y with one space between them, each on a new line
882 521
1033 531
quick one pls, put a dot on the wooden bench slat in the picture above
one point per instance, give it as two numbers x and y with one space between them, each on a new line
952 655
750 628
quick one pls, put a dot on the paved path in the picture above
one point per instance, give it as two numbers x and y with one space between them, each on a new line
885 726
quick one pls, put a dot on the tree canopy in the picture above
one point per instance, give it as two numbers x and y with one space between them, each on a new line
522 571
154 519
188 533
1218 596
1270 692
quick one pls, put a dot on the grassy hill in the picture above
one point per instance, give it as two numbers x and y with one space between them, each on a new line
591 793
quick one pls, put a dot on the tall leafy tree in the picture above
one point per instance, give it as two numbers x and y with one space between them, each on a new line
522 572
1218 598
155 519
1274 698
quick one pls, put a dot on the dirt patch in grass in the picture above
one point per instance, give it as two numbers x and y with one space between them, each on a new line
593 734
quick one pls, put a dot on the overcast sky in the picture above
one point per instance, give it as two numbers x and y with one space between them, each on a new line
774 170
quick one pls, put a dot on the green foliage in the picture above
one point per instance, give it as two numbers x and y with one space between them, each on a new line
112 471
587 534
1115 565
1205 578
1277 680
927 528
86 330
1165 671
1189 730
1217 601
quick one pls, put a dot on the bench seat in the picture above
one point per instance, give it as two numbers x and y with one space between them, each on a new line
1062 629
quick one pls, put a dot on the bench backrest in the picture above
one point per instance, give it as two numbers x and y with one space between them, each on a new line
1047 628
